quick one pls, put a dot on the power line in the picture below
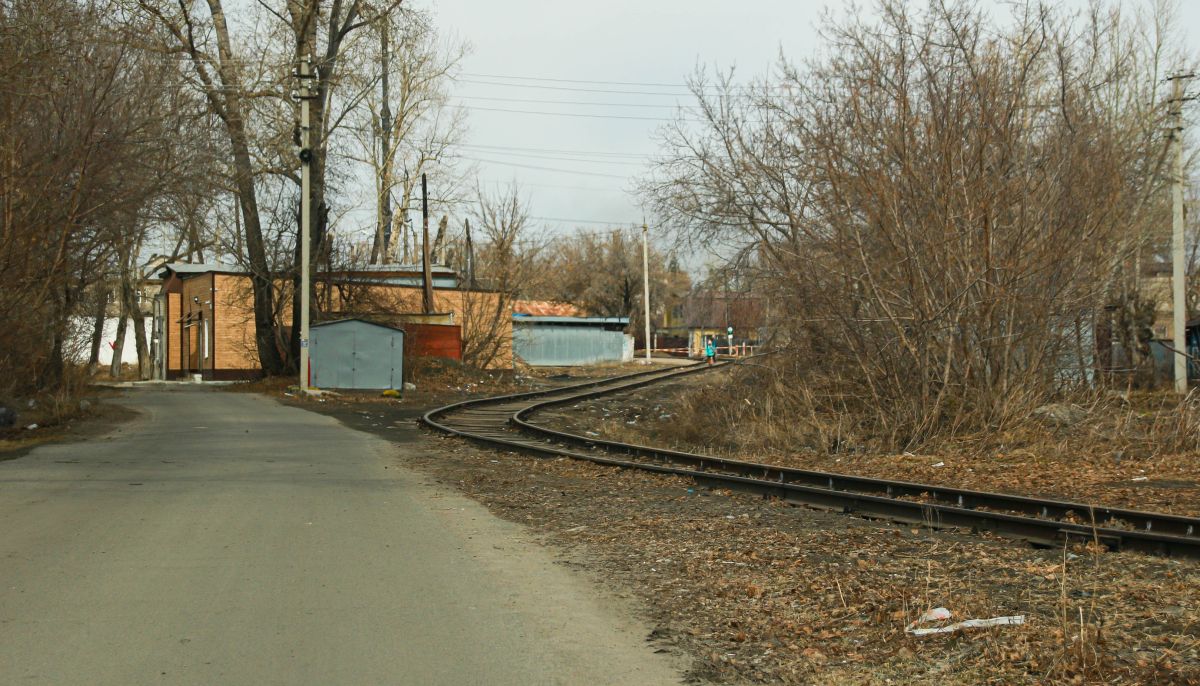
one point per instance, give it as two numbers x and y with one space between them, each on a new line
553 169
565 88
567 114
605 83
556 151
522 184
588 221
643 84
558 158
575 102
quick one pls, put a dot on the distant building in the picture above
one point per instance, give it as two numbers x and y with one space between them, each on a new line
704 313
570 341
204 314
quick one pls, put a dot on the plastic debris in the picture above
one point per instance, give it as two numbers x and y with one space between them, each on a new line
1140 478
31 427
939 464
941 614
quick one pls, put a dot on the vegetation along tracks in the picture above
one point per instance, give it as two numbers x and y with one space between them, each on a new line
505 421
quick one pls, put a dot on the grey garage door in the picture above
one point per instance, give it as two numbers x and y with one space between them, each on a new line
352 353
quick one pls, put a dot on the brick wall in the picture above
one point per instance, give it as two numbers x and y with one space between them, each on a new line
171 332
473 310
234 345
232 349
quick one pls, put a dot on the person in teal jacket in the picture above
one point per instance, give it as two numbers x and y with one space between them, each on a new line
710 351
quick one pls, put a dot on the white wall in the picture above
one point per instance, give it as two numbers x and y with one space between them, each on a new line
82 339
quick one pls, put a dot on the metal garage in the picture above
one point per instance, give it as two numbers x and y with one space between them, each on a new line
354 353
569 341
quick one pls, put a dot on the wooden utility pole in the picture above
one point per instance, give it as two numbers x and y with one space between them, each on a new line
384 240
1178 266
646 285
470 255
426 272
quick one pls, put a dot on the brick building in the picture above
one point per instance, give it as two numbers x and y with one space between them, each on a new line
205 312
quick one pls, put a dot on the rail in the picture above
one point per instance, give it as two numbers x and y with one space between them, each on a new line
506 421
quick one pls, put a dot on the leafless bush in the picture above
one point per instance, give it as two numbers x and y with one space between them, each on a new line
941 207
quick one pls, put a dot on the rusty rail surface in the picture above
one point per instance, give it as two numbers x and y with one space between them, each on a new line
505 422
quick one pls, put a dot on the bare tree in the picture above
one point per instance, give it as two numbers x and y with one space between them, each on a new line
602 273
87 134
944 205
235 83
507 265
406 127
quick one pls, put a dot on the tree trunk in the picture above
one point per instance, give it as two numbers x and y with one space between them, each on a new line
383 235
243 170
98 325
139 335
114 368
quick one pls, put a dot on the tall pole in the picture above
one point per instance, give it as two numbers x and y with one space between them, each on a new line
385 132
646 285
470 255
1178 273
306 95
426 273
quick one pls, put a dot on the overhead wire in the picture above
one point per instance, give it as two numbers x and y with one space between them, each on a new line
553 169
569 114
561 158
746 89
575 102
625 224
606 83
522 184
556 151
566 88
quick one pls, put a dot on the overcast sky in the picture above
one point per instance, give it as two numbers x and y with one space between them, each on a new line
532 56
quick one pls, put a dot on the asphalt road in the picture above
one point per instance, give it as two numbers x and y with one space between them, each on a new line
222 538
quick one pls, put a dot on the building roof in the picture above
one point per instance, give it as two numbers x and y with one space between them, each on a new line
346 320
582 321
403 268
187 268
546 308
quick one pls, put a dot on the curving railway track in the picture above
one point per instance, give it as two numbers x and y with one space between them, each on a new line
506 422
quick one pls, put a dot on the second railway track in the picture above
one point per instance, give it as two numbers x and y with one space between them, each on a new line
506 422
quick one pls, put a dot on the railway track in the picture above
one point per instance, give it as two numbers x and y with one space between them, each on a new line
507 422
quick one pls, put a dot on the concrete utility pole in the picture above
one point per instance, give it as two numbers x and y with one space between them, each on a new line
306 95
1178 267
646 285
426 272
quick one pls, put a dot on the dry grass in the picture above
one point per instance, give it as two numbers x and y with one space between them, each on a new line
1141 451
760 408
